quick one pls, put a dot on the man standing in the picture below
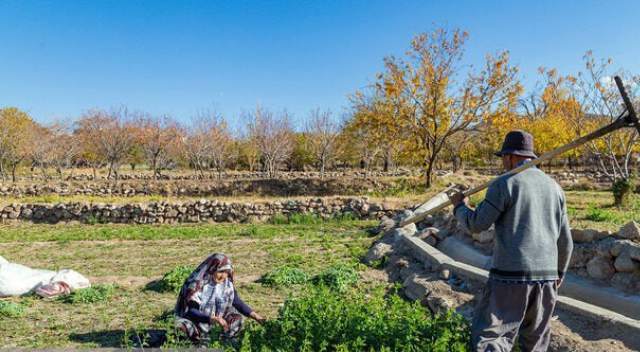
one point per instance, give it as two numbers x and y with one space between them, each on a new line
532 249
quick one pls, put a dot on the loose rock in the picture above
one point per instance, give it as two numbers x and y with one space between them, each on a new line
600 268
630 231
377 252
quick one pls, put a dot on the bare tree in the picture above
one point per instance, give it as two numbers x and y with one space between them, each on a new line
322 132
156 136
273 135
208 142
111 135
65 148
41 152
601 100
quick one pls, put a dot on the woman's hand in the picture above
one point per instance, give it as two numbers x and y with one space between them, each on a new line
257 317
221 322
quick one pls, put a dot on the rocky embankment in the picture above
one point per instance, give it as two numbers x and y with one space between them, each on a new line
609 257
440 289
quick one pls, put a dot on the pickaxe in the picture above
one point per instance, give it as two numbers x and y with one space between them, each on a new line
628 118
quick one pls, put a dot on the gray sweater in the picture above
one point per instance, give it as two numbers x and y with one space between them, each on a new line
533 239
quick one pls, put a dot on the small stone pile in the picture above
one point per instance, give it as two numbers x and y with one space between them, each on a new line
191 212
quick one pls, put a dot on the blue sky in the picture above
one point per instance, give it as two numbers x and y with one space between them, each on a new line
60 58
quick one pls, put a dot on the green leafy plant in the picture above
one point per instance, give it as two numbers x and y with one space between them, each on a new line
250 231
321 320
346 216
279 219
173 280
312 219
285 275
304 219
11 310
93 294
338 276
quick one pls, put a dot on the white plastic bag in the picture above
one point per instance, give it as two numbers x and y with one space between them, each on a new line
17 279
74 279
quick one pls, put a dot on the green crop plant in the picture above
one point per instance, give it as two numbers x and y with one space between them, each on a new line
322 320
11 310
93 294
338 277
173 280
285 275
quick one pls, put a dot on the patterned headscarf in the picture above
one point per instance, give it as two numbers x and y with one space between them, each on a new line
201 276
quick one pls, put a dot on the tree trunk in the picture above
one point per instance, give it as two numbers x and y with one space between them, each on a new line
429 174
155 169
13 172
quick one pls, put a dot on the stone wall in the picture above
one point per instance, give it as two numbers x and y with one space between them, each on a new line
274 187
189 212
608 257
303 184
230 175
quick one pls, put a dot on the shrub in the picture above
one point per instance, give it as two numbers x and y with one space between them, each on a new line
174 279
599 215
622 190
285 275
93 294
11 310
321 320
338 277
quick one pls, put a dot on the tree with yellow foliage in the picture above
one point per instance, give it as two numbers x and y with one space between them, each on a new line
379 116
434 103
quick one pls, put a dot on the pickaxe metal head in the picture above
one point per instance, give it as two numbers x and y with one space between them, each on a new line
631 118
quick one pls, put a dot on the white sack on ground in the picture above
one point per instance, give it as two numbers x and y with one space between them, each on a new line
17 279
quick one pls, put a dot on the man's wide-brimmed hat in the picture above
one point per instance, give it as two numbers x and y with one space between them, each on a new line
517 143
